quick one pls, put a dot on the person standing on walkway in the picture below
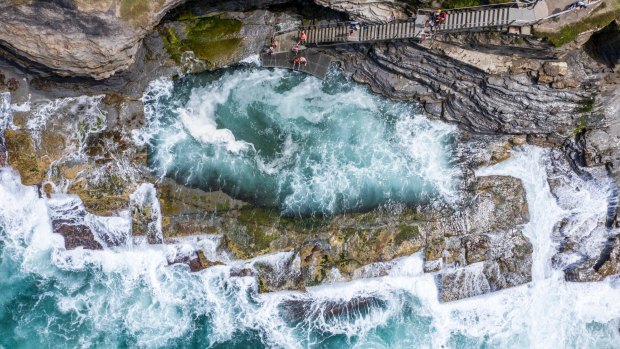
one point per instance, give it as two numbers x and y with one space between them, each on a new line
298 61
296 48
302 37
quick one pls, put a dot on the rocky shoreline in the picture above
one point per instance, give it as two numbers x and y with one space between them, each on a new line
76 102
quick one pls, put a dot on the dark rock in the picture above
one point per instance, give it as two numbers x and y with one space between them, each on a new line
297 310
604 45
76 235
498 103
201 262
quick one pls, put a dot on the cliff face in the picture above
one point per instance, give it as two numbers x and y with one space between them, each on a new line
78 37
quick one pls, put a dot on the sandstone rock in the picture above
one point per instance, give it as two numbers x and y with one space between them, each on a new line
76 235
545 79
78 38
368 10
555 68
23 157
200 42
564 83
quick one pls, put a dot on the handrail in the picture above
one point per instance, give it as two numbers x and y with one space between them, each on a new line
348 23
502 5
596 2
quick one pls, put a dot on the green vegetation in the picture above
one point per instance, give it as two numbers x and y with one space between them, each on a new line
585 106
570 32
406 232
211 38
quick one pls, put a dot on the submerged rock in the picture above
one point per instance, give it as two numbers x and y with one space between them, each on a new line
296 310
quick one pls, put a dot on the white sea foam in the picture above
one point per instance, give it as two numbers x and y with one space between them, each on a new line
337 147
144 199
252 60
5 111
133 292
131 285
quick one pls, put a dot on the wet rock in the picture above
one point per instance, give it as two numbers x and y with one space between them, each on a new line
190 211
279 272
241 272
76 235
587 238
201 262
499 203
296 310
199 42
146 214
94 39
481 248
3 152
607 264
494 261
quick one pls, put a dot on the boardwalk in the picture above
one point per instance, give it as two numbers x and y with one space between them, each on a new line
501 17
318 63
516 18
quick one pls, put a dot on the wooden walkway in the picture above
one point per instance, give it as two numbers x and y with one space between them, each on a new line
318 63
516 18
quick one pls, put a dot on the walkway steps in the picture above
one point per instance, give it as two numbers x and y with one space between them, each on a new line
365 33
499 17
509 17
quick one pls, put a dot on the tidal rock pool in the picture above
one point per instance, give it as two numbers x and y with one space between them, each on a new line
286 140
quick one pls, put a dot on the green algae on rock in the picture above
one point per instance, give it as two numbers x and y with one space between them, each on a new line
213 38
